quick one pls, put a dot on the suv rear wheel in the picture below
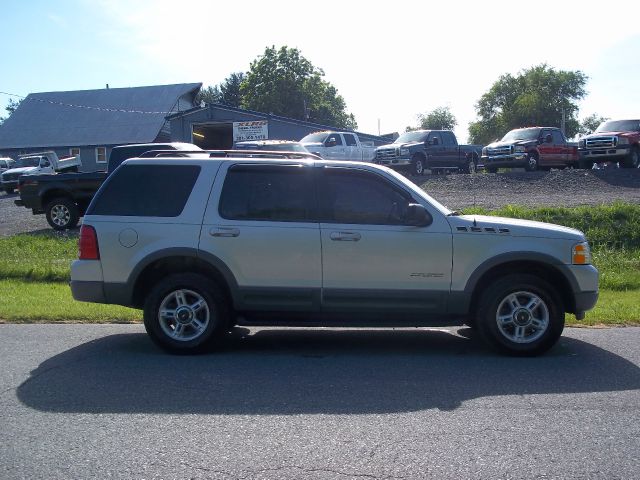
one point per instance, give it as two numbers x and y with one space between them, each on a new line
185 312
520 314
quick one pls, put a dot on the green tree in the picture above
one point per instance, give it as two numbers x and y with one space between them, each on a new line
589 124
11 107
283 82
227 92
538 96
439 118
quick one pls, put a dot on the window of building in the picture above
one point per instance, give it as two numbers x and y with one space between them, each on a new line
101 155
277 193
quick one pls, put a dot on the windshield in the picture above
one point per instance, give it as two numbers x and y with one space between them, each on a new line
619 126
27 162
408 137
315 138
521 134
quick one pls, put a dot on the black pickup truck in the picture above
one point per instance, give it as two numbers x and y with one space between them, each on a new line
64 197
437 150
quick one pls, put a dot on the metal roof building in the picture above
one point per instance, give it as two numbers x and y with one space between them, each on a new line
89 122
218 126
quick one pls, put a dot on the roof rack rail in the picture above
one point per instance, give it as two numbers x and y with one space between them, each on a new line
229 154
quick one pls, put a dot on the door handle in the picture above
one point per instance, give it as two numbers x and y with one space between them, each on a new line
345 236
224 232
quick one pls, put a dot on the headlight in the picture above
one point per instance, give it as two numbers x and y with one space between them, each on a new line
581 254
582 143
520 149
484 151
623 141
404 151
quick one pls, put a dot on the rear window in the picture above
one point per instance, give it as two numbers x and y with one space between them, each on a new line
146 191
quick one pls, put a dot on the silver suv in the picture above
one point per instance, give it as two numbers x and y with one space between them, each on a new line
204 244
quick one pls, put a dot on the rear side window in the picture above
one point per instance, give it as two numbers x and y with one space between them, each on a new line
146 191
277 193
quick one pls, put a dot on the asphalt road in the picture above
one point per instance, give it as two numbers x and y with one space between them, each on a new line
101 401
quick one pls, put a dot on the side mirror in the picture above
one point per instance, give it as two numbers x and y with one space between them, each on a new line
331 142
417 216
548 138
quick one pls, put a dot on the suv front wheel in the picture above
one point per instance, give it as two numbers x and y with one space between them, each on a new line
185 312
520 314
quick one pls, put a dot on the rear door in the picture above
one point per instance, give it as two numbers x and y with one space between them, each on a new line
371 260
351 149
264 229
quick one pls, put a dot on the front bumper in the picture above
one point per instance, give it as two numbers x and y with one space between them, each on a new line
508 160
10 184
393 162
604 154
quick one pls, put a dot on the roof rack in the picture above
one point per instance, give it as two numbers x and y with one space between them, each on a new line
229 154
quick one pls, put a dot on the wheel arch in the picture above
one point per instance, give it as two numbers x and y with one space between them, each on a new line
48 195
540 265
179 260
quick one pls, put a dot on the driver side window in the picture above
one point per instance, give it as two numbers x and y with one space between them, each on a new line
358 197
333 140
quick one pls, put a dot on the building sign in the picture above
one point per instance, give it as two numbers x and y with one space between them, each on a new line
258 130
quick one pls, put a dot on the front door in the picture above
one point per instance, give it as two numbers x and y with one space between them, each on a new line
264 230
371 261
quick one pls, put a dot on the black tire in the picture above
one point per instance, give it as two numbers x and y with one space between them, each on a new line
633 160
62 213
417 165
491 169
530 310
200 313
585 164
532 162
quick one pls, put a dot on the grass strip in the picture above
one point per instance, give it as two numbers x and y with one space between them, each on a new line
28 302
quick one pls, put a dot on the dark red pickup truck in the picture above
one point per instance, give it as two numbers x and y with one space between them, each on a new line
613 141
534 148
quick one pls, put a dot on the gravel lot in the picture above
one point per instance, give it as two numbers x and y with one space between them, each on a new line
557 187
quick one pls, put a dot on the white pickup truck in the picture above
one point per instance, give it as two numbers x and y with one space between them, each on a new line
339 146
36 163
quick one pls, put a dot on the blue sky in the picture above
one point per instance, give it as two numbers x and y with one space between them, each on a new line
390 61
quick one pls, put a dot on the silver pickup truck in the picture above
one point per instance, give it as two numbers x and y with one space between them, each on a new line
305 242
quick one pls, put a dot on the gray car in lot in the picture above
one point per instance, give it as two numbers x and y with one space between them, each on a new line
204 244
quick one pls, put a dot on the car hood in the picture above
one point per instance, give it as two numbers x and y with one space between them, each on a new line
508 144
399 145
514 226
607 134
21 170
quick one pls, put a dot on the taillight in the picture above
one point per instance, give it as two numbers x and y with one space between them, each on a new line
88 244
